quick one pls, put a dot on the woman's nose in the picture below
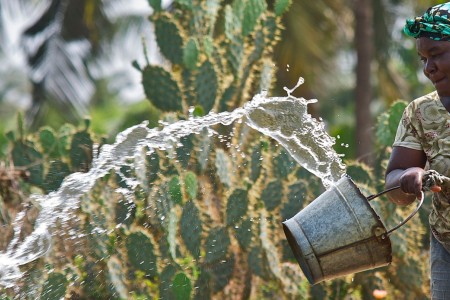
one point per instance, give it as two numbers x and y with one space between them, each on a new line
430 67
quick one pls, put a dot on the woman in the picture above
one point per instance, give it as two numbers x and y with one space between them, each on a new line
423 139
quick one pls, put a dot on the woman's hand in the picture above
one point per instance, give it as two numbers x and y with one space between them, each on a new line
405 169
411 181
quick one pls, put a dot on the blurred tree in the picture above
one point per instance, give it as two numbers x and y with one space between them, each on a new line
69 46
364 48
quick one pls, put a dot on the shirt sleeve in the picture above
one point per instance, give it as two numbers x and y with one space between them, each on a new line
407 135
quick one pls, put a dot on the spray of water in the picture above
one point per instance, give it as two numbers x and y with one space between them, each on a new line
285 119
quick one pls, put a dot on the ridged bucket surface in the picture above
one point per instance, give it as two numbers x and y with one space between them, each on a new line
338 234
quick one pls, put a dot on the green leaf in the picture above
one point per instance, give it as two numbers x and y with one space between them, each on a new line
155 4
281 6
166 282
191 53
237 206
284 164
255 162
65 133
206 86
58 170
185 3
223 167
182 287
252 11
81 151
191 228
221 273
20 127
54 287
272 194
216 245
175 190
296 200
208 46
203 286
184 152
227 96
25 155
232 23
161 89
395 115
169 39
244 233
117 277
48 141
152 166
125 212
360 173
191 184
387 123
256 262
141 254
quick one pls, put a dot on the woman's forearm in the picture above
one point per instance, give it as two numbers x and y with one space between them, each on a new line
400 177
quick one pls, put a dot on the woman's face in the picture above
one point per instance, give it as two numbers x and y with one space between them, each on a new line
435 56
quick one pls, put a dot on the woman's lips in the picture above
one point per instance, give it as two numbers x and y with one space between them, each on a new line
436 82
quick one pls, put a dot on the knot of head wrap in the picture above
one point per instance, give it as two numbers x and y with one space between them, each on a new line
434 24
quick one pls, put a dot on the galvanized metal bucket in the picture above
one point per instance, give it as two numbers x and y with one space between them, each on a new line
339 233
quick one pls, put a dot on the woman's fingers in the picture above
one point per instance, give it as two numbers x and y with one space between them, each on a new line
436 188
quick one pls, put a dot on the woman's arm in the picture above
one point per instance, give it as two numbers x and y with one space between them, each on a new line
405 169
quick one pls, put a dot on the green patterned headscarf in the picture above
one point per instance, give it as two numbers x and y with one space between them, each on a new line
434 24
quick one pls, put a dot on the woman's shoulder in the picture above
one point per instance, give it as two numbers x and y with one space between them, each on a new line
427 99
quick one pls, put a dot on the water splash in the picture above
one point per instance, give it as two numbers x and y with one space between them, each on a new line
283 118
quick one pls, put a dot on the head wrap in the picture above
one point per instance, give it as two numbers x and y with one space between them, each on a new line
434 24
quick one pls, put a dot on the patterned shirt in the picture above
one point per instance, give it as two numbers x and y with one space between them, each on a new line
425 126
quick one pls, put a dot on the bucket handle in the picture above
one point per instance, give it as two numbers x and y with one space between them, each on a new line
371 197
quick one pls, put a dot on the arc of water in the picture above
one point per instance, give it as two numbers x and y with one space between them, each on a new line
284 119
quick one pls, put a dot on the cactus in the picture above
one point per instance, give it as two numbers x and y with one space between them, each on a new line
48 141
237 206
283 165
125 212
161 89
54 287
206 86
223 167
55 175
191 228
81 151
174 190
191 53
272 194
244 233
169 37
25 155
297 197
216 245
200 218
252 12
388 121
191 185
141 254
182 287
281 6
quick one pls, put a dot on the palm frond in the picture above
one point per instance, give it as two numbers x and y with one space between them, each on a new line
15 17
56 61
